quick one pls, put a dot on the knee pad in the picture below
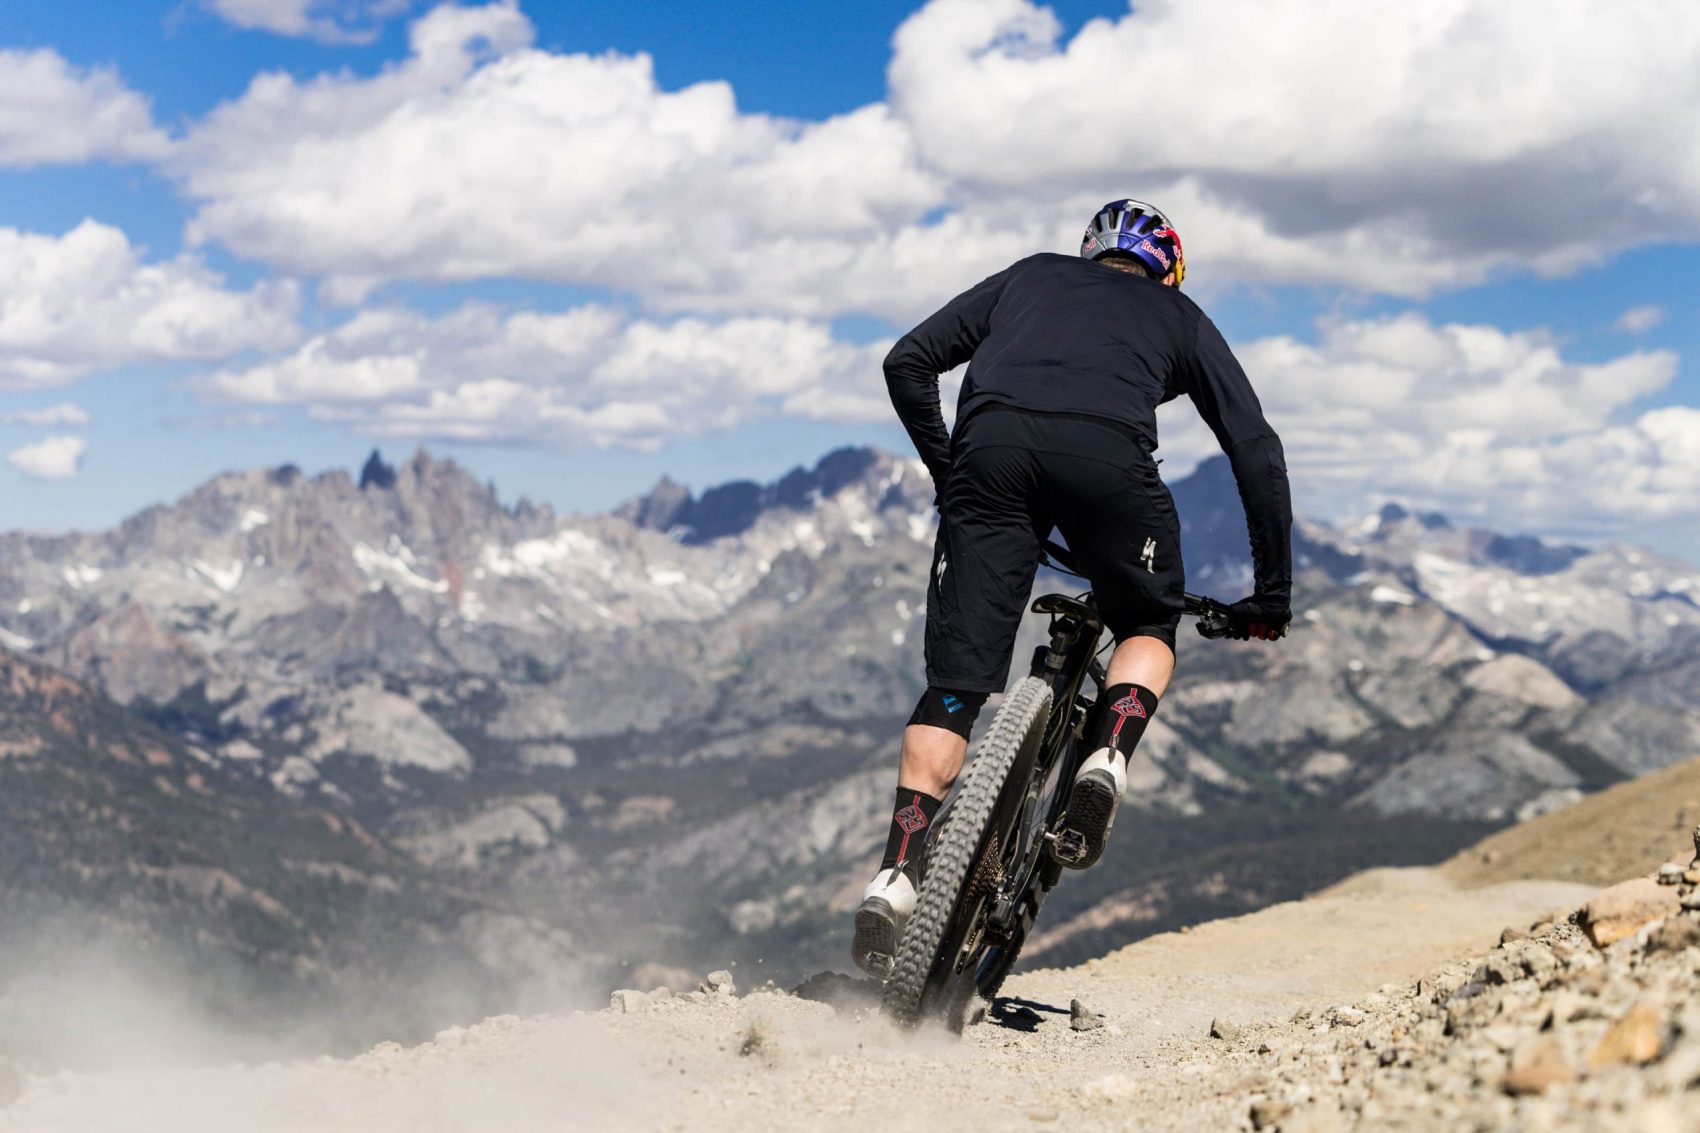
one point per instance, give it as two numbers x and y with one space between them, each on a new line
952 710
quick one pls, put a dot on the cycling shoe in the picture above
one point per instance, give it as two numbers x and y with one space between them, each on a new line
886 904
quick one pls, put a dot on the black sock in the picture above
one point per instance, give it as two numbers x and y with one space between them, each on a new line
1127 709
911 816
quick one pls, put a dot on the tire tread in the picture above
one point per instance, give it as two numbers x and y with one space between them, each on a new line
949 861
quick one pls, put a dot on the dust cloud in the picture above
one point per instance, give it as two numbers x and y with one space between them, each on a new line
78 995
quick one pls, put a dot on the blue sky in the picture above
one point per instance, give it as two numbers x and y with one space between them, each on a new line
319 226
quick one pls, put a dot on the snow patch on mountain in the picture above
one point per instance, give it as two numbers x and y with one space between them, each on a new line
396 566
225 577
1391 594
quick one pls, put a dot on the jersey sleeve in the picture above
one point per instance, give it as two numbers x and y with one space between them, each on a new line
943 342
1226 401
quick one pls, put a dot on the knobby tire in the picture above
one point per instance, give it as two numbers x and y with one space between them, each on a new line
958 843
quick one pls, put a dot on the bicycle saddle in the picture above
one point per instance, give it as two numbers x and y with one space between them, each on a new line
1063 604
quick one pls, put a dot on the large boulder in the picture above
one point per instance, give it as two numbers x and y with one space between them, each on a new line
1619 911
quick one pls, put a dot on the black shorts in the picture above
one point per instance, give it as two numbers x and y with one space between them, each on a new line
1014 476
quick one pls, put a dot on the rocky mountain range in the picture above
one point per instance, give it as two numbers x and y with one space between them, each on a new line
578 744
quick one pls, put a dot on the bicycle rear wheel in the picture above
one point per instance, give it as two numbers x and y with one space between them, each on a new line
936 926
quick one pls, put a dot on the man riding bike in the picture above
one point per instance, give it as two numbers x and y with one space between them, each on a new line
1068 360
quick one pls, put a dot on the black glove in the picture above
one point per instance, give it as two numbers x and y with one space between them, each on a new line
1263 618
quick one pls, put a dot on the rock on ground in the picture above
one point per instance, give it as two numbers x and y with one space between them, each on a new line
1620 910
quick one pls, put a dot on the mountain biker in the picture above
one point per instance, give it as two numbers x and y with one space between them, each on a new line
1068 358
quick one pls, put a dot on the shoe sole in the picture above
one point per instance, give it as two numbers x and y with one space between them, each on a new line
1091 811
875 946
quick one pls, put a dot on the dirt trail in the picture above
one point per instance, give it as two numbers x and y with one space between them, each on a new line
768 1060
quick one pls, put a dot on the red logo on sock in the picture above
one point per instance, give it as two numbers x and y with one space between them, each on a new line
1129 706
910 819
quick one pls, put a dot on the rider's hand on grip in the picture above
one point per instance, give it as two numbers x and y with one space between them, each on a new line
1263 618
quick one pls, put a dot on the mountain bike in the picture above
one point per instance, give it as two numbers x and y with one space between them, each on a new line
999 846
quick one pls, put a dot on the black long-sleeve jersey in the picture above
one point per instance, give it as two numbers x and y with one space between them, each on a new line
1059 334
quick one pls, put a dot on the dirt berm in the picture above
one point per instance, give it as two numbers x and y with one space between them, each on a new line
1622 831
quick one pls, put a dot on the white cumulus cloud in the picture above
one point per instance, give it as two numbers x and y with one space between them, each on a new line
328 21
1398 149
85 301
1390 147
1474 421
55 458
588 375
52 113
483 156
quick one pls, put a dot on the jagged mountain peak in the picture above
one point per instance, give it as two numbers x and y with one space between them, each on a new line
657 508
375 473
1395 533
1393 513
212 501
734 507
1530 554
424 472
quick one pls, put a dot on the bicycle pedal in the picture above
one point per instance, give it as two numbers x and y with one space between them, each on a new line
1068 847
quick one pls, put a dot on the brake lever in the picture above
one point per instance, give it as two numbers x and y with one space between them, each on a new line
1214 624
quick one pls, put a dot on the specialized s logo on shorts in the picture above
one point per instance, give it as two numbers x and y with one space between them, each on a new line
1147 556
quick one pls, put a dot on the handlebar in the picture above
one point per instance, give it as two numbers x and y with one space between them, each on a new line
1213 619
